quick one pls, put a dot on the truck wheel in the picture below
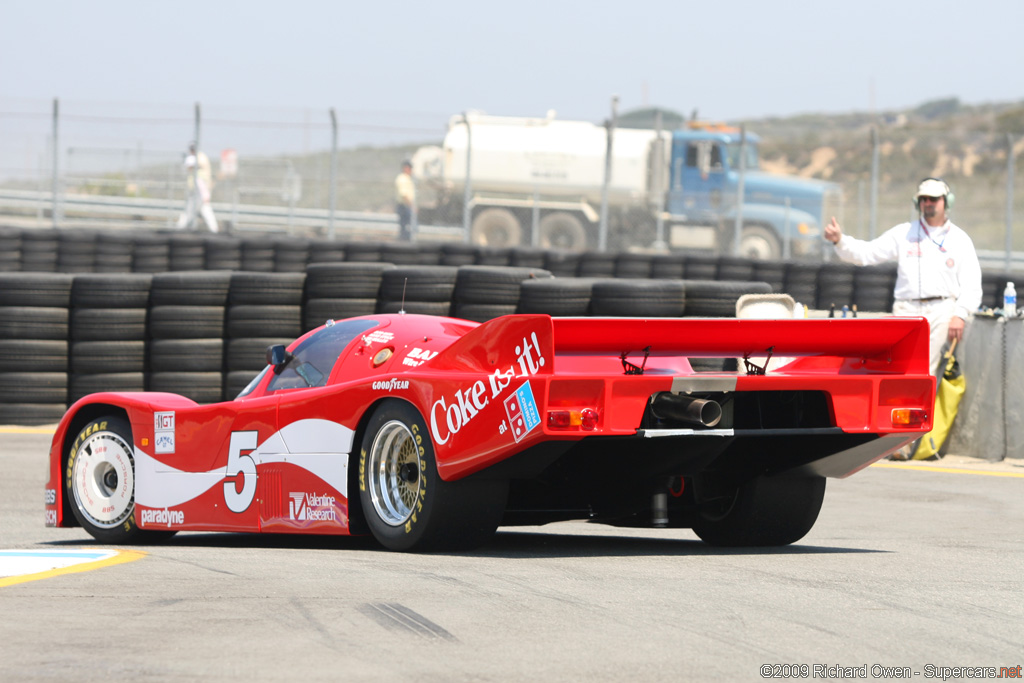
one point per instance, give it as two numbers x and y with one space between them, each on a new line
765 511
407 506
100 480
759 242
562 230
496 228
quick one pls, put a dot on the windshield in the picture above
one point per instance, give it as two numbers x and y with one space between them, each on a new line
733 151
313 360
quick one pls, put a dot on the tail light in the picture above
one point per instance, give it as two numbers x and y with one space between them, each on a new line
909 417
585 419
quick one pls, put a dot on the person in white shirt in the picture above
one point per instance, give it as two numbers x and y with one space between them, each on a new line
938 275
199 178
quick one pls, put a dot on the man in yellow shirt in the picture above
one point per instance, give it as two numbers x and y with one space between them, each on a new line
405 201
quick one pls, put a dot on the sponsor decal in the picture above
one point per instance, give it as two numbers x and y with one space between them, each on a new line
522 412
309 507
378 337
165 517
418 357
392 384
163 432
51 518
450 414
50 496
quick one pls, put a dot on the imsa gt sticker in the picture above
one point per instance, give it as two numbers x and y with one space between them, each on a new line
163 432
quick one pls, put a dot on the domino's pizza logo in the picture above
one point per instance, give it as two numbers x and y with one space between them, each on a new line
522 412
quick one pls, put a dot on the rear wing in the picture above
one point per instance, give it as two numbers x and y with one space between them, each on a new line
874 344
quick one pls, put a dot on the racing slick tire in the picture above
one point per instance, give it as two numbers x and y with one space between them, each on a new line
100 482
406 505
765 511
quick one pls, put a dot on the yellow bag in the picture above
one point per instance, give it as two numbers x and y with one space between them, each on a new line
947 401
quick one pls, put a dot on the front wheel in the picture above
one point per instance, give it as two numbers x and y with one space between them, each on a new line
765 511
760 243
100 480
406 504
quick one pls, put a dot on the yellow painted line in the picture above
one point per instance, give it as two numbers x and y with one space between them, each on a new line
949 470
27 430
120 557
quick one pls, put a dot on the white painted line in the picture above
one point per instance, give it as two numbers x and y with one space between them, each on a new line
19 566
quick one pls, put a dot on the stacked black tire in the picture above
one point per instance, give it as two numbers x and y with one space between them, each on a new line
258 254
836 287
33 347
485 292
341 290
638 297
873 287
186 252
223 253
76 251
717 298
10 255
263 309
326 251
108 333
115 253
802 282
425 290
291 255
39 251
557 296
186 333
151 254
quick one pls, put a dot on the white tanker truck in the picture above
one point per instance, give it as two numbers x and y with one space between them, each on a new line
539 181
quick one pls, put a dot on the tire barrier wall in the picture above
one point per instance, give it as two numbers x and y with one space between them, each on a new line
180 313
76 251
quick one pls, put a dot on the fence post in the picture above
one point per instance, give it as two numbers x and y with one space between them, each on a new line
333 192
602 231
535 218
467 210
873 226
196 194
659 185
737 228
55 209
1010 163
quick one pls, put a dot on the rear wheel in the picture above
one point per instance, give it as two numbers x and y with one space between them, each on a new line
562 230
101 482
496 228
407 506
765 511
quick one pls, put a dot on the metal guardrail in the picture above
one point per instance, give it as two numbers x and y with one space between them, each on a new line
101 209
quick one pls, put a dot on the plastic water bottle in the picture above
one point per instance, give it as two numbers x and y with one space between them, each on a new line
1010 301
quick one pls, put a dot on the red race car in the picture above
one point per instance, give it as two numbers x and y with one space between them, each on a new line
430 432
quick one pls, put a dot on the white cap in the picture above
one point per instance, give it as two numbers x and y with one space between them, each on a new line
932 187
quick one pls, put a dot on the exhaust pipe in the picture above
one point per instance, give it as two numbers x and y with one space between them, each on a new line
687 409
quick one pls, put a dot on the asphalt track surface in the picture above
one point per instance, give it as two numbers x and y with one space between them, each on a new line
918 566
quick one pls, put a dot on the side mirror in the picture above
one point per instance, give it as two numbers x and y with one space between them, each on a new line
278 357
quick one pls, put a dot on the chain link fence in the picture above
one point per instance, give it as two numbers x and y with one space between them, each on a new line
507 181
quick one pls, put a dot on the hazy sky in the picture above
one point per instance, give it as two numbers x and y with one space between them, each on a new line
414 64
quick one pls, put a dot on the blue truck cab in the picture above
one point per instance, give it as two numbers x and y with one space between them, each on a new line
780 216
